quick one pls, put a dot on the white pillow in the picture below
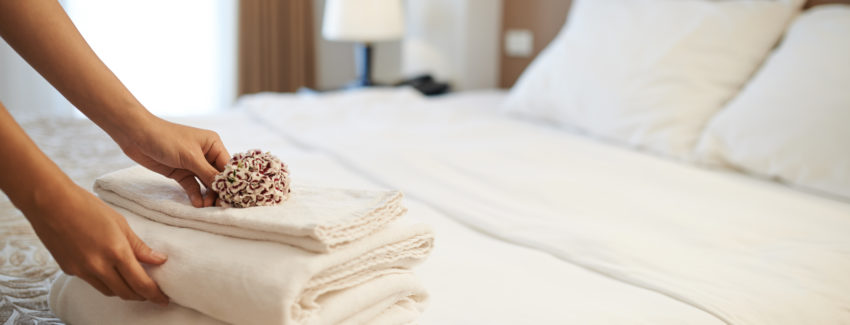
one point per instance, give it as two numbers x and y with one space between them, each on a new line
649 73
792 122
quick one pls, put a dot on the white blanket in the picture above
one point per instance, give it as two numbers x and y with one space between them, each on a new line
316 219
249 281
258 282
76 302
744 250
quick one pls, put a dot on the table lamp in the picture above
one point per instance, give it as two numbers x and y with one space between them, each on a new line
363 22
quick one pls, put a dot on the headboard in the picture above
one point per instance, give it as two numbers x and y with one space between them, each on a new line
812 3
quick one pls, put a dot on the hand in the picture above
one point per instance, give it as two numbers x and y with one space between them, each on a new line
93 242
182 153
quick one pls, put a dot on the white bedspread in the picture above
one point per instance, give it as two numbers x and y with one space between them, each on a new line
318 220
474 278
746 251
503 284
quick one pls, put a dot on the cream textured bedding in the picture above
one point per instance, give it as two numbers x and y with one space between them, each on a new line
85 305
314 219
471 277
259 282
744 250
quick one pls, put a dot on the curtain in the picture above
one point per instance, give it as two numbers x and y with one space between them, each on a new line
276 45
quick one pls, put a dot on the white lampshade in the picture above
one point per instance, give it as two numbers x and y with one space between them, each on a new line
363 20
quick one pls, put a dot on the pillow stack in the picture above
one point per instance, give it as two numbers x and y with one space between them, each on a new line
792 121
673 77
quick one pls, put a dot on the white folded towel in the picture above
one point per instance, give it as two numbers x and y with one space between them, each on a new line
244 281
76 302
316 219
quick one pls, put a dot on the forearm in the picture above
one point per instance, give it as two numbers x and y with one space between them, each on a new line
41 32
29 178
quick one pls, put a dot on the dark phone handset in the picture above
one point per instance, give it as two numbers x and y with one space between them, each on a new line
426 85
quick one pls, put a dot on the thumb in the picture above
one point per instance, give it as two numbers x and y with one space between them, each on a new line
144 253
203 170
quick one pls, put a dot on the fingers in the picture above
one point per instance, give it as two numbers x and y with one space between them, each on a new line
205 172
97 284
105 278
143 252
215 158
128 281
210 198
190 185
112 279
139 281
218 154
133 273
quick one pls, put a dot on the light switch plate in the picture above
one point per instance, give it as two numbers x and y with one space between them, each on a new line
519 43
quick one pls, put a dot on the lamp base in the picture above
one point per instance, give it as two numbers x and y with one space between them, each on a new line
364 66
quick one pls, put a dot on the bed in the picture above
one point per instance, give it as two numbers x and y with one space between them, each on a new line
536 222
479 264
466 274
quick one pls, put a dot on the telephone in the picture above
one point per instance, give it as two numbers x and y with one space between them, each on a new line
426 85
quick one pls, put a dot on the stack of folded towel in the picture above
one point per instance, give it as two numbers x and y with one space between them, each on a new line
325 256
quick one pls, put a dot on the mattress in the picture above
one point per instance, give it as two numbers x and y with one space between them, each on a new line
533 224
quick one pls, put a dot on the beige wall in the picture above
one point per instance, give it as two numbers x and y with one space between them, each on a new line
24 92
455 40
543 17
335 62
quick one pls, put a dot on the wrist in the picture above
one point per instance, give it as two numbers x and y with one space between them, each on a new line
39 201
130 126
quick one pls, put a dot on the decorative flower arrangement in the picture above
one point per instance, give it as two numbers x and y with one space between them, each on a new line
252 178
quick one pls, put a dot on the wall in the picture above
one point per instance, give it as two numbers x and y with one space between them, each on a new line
178 61
24 92
183 64
335 61
544 18
455 40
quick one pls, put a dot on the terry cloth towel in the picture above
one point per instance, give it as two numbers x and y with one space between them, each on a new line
76 302
315 219
244 281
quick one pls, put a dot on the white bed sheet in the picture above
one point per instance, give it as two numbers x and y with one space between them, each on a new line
744 250
474 278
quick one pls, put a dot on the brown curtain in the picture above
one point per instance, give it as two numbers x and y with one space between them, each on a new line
276 45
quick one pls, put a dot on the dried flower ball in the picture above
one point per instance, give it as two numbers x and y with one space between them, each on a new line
252 178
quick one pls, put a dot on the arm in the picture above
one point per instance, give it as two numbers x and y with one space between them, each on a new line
85 236
41 32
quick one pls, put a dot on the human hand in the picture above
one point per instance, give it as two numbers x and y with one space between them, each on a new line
93 242
181 153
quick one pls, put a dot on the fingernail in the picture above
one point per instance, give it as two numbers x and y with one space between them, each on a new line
164 301
158 255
